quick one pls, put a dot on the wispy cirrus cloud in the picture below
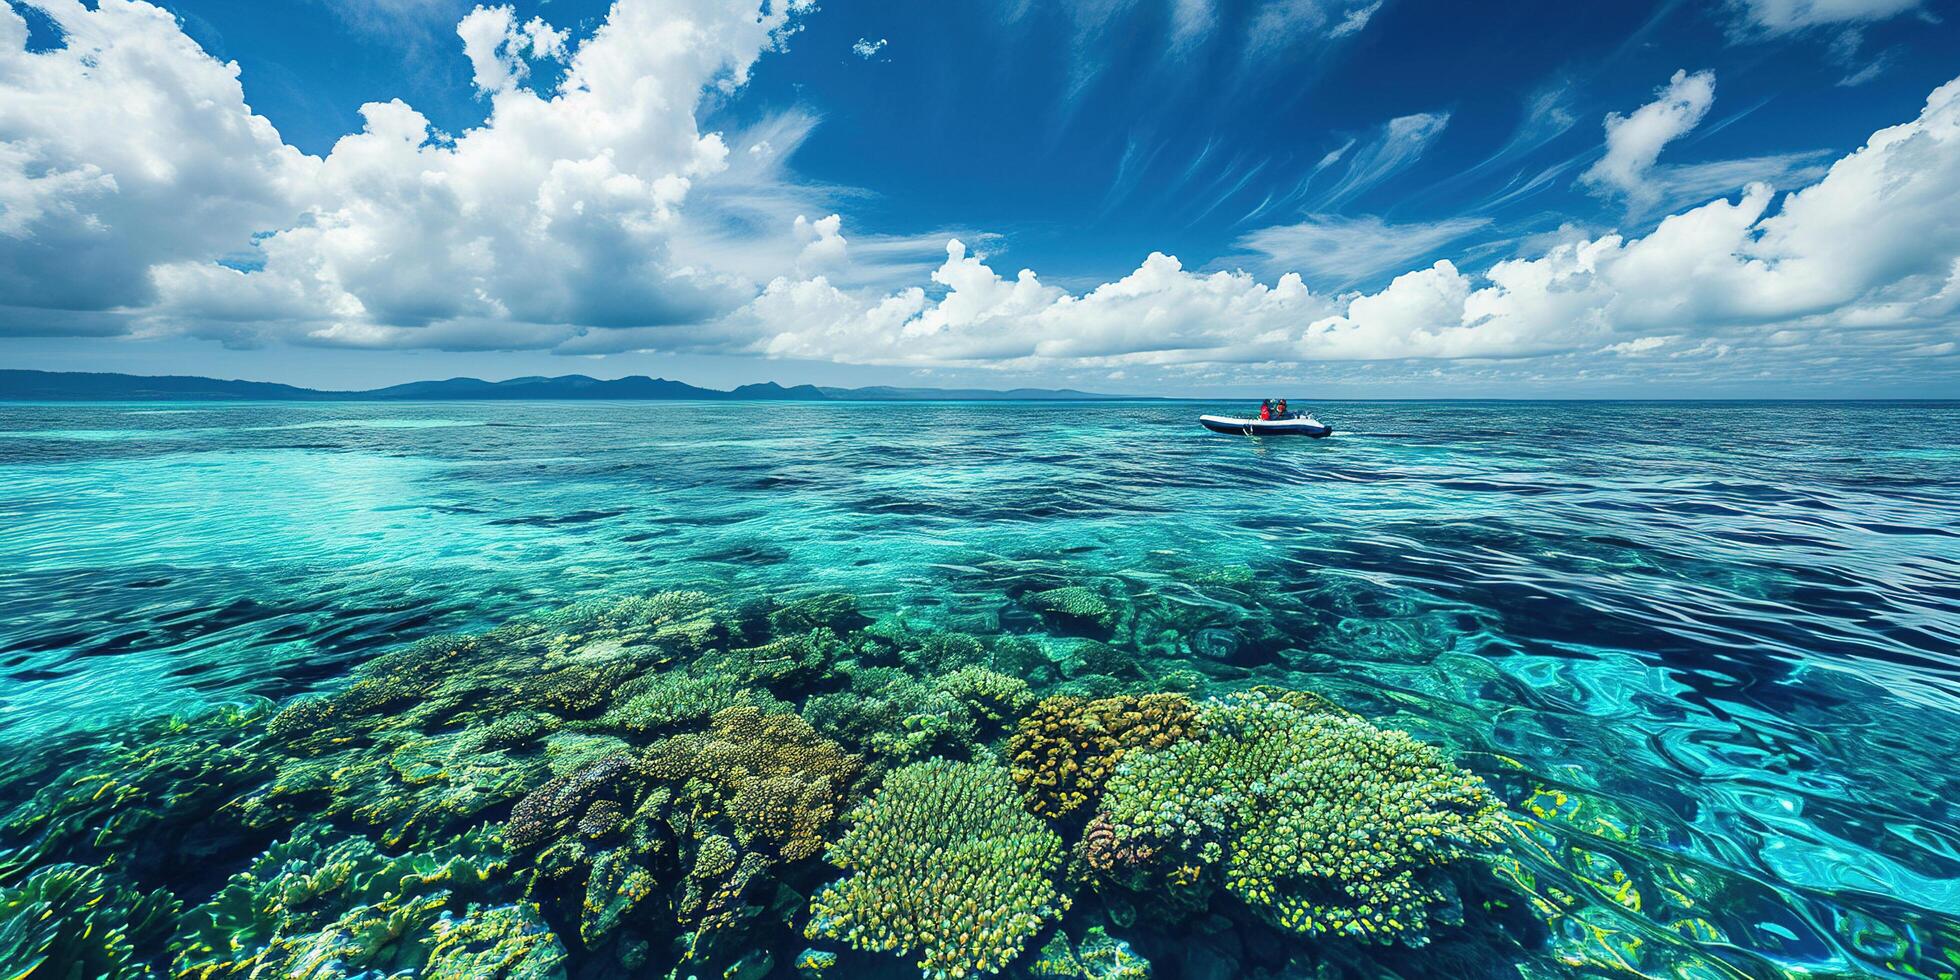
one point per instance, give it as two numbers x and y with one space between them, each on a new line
1279 25
1681 185
1773 17
414 23
1399 144
1335 252
1354 20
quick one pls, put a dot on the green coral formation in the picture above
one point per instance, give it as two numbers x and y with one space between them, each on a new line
69 920
814 963
143 799
1097 957
682 833
901 717
945 865
778 780
510 942
658 703
337 896
587 840
1076 605
1321 823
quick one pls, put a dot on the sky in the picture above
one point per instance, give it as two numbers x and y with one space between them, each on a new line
1343 198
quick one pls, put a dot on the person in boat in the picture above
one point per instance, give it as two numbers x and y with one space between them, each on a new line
1266 410
1279 411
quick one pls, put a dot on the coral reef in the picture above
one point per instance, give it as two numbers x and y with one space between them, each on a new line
941 652
648 786
1321 823
1065 750
670 844
836 611
667 701
814 963
990 698
404 787
787 663
943 864
587 843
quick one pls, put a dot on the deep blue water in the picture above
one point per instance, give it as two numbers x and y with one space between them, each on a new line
1718 645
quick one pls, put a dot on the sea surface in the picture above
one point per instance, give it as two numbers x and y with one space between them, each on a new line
1708 652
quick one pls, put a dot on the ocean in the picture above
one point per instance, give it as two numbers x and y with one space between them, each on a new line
1706 656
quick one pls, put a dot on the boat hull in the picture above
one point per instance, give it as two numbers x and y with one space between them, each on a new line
1254 427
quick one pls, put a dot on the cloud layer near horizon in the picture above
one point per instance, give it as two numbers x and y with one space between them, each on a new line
139 193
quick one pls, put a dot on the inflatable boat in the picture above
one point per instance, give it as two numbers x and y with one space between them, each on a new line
1297 425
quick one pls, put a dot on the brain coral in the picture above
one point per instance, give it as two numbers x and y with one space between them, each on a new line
1322 823
945 864
1067 747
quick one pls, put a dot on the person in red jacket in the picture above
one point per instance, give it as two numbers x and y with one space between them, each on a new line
1266 410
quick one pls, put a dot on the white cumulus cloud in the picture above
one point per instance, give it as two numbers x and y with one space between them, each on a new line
1634 142
132 161
1869 255
500 48
1161 312
824 245
125 148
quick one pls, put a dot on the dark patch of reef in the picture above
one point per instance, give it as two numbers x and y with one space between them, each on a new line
689 785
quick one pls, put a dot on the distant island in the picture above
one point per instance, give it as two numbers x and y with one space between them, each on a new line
18 385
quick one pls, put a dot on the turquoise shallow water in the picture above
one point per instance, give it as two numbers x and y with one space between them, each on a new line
1711 651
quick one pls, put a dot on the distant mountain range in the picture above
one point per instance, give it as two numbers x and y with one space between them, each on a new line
84 386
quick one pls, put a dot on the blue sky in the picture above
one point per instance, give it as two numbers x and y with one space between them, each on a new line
1400 198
